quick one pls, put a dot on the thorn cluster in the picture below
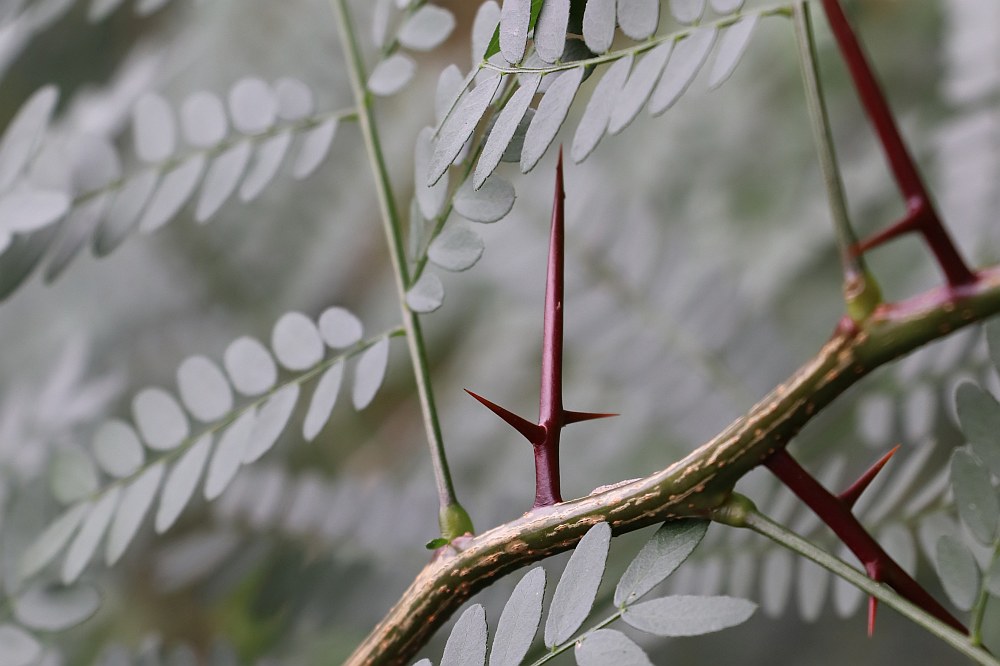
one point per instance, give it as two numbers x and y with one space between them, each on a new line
835 511
544 435
921 216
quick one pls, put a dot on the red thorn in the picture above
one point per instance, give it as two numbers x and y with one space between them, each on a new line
907 225
575 417
874 572
850 496
921 215
872 609
533 433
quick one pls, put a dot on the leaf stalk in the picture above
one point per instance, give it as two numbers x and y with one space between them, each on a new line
453 519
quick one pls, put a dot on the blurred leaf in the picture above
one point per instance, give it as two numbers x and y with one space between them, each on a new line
323 400
72 475
727 6
457 248
639 86
427 295
732 45
49 608
369 373
117 449
174 190
979 417
483 28
136 499
687 11
203 120
229 454
221 180
124 212
577 587
314 146
594 122
203 389
296 342
159 418
958 571
975 497
250 366
489 202
270 155
17 646
81 551
271 421
48 544
340 328
154 131
685 62
391 75
427 28
181 482
430 198
253 108
25 209
24 133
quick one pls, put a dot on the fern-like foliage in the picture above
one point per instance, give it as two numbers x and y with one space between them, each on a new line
573 600
56 196
161 455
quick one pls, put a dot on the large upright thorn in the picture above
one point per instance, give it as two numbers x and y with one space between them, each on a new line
921 217
544 436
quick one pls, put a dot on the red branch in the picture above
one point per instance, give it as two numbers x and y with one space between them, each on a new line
836 513
544 436
921 217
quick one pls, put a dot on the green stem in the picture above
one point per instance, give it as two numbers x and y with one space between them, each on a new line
559 649
397 252
761 524
861 291
979 610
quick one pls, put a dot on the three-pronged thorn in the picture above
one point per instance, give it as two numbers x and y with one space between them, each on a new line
544 435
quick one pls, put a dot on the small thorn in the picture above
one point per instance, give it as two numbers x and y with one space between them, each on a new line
575 417
850 496
874 572
907 225
532 432
872 609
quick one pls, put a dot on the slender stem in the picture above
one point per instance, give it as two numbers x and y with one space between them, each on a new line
920 213
397 252
979 609
823 138
763 525
559 649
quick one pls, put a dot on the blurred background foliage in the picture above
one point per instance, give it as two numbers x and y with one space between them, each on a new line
701 272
